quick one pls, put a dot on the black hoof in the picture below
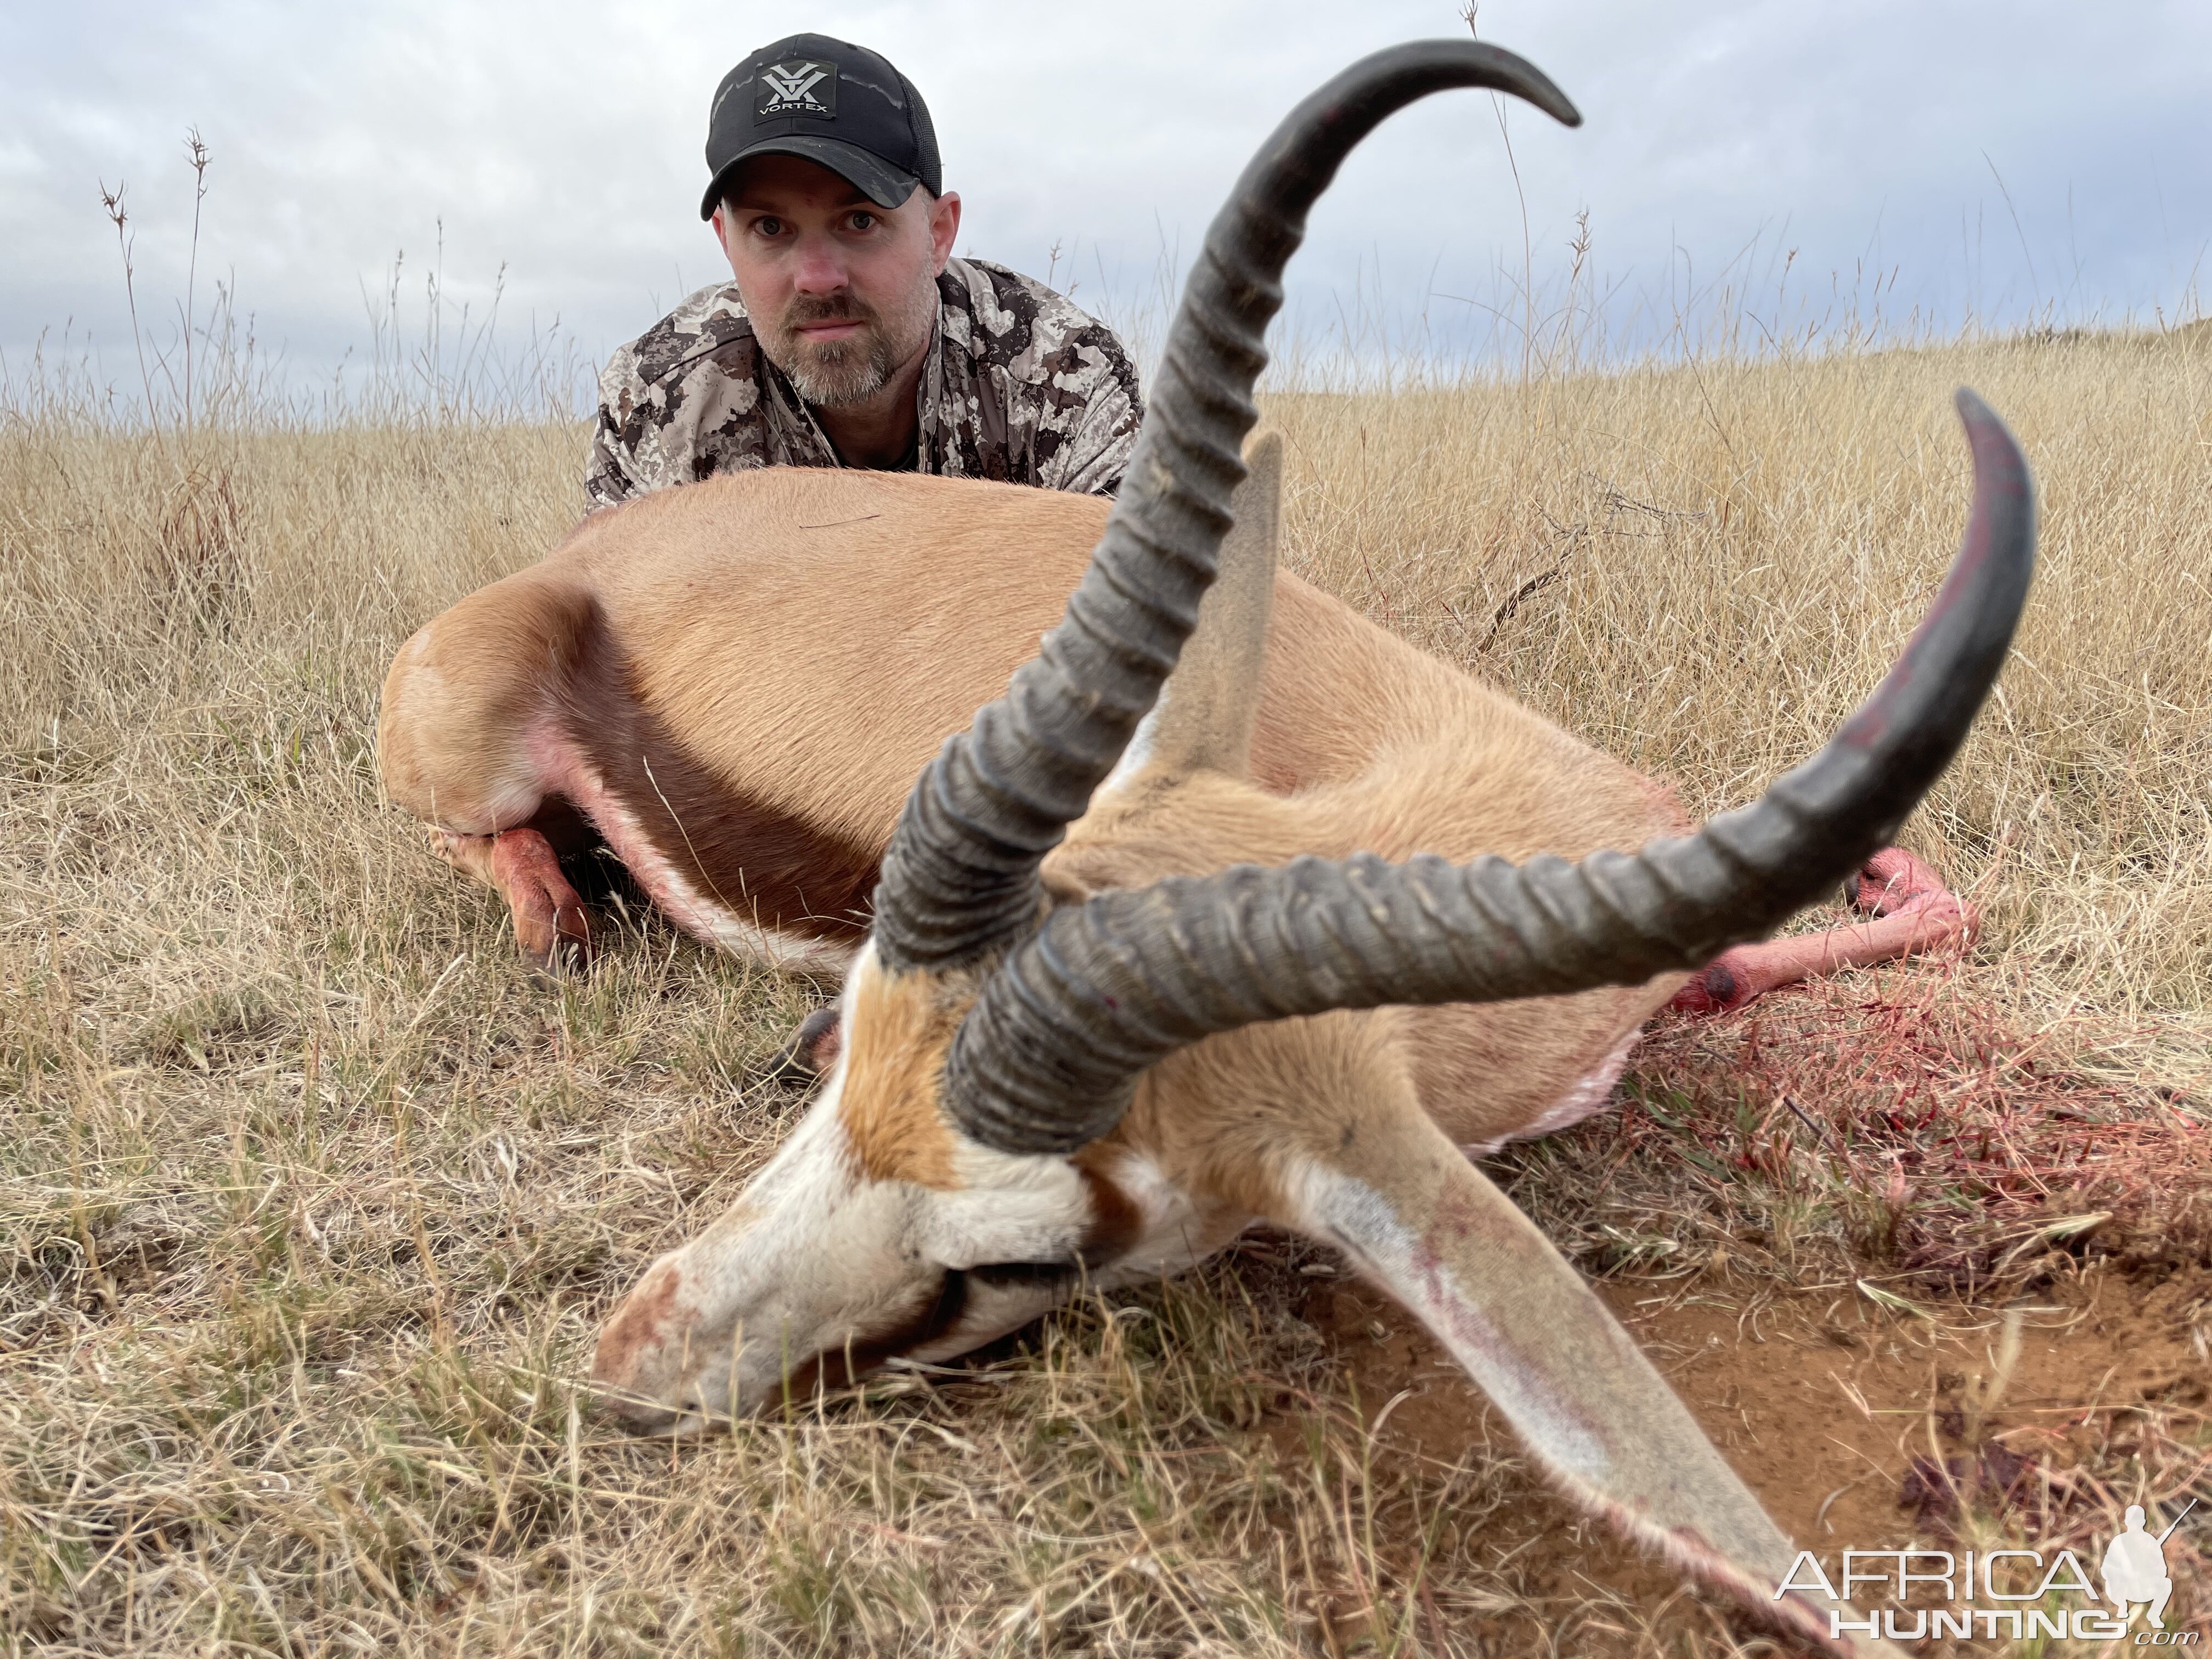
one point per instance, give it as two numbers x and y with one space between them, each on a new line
811 1051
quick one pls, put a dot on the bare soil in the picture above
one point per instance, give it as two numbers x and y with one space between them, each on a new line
1836 1411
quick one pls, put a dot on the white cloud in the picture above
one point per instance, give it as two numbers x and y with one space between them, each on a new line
562 140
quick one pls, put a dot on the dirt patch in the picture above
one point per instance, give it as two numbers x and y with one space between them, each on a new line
1858 1426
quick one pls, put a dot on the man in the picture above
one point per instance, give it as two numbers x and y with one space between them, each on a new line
2135 1570
850 337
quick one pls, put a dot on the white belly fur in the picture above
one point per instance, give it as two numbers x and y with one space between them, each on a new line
1590 1093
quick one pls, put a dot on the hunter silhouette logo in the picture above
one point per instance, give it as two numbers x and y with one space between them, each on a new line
806 87
2135 1568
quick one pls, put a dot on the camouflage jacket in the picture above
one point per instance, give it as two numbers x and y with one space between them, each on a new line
1019 385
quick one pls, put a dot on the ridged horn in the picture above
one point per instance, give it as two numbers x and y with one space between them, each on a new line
1048 1058
959 880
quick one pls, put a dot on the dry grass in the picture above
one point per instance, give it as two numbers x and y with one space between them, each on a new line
314 1195
1717 561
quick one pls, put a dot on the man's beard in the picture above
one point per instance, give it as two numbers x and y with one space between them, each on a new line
830 373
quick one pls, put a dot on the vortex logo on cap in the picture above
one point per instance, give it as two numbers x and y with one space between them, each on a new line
806 87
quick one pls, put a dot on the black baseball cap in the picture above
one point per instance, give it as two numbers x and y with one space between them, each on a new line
831 102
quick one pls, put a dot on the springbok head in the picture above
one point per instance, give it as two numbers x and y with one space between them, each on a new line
947 1187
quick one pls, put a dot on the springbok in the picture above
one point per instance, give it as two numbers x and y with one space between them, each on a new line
1208 920
736 702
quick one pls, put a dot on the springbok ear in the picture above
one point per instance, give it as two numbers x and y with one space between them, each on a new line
1415 1214
1203 717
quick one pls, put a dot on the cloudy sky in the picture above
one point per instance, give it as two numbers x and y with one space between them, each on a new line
2007 160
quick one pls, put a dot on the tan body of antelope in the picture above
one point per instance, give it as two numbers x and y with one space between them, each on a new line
732 687
1208 920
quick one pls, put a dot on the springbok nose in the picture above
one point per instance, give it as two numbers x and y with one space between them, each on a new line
640 1361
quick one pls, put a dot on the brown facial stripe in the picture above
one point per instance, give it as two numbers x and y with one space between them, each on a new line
1114 1226
753 859
837 1367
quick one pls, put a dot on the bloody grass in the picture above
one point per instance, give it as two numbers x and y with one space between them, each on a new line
1896 1121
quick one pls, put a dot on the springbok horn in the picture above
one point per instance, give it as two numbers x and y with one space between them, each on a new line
959 880
1046 1061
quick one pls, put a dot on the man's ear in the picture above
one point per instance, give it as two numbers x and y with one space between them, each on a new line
944 227
720 222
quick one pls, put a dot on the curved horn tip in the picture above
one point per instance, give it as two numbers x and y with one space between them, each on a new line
1987 426
1999 460
1978 416
1531 85
1559 107
1970 405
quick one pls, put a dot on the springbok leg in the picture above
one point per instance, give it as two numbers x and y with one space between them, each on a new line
549 920
1910 911
1412 1213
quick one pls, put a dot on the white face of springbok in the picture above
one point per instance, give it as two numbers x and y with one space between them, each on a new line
876 1232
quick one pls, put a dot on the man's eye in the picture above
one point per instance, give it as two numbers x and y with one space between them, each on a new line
765 226
863 220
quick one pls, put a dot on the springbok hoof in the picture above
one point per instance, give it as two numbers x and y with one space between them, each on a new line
1894 882
811 1051
549 920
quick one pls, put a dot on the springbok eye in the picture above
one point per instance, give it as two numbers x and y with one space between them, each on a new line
1035 1275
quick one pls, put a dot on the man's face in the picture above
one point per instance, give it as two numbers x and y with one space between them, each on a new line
842 293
